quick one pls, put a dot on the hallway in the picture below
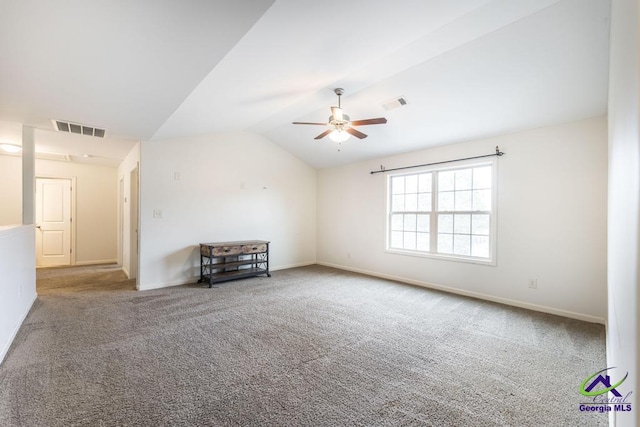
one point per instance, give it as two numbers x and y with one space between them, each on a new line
86 278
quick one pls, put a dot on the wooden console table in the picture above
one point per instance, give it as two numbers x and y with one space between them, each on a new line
222 261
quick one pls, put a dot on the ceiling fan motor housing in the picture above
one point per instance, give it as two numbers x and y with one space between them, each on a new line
339 124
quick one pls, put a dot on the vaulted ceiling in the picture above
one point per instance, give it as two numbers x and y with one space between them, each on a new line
157 69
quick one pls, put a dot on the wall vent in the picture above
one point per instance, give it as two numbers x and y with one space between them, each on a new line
394 103
77 128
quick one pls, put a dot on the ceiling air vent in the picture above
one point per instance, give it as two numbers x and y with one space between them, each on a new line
394 103
77 128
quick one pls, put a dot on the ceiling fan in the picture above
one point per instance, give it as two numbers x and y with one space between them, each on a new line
340 124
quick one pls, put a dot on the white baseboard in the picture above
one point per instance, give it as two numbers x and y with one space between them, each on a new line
97 262
286 267
506 301
7 345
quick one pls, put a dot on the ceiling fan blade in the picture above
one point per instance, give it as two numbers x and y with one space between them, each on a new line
323 134
356 133
336 113
309 123
378 121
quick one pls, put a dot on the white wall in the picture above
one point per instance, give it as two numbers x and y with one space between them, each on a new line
124 203
17 254
624 200
17 281
234 186
10 190
17 284
95 219
10 176
551 221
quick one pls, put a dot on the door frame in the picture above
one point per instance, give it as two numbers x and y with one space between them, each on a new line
72 243
134 224
121 202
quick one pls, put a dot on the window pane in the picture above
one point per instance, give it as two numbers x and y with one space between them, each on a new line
397 222
480 246
424 183
480 224
409 223
482 177
397 203
396 239
423 223
463 200
411 184
445 201
445 223
445 243
462 224
461 244
409 240
463 179
411 202
482 200
397 184
423 242
446 180
424 202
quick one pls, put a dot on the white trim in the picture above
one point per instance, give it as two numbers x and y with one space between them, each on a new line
296 265
435 170
98 262
506 301
12 337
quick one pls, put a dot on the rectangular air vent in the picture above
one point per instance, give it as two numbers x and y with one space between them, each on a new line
62 126
394 103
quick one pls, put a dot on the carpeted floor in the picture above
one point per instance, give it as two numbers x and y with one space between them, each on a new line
309 346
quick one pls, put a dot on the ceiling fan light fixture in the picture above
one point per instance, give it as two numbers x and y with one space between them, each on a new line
340 125
339 135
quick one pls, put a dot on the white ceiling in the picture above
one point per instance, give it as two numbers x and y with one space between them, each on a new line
151 69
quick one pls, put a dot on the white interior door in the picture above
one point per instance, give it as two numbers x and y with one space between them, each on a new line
53 222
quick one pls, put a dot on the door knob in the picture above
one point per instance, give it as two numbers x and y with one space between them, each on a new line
37 226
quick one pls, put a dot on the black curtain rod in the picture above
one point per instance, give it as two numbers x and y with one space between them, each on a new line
382 168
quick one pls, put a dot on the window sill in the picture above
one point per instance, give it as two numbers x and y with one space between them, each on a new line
455 258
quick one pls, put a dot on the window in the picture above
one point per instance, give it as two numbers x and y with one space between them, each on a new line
443 212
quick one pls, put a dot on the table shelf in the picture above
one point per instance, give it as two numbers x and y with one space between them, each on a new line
223 261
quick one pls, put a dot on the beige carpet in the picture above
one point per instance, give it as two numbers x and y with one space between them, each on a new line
309 346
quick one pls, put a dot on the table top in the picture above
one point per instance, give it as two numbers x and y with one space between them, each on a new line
237 243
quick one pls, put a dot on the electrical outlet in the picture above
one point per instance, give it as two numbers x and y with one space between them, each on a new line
157 214
533 284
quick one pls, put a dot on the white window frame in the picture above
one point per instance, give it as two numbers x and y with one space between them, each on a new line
491 260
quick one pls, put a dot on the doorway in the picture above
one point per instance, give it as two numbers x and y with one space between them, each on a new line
121 223
53 222
133 212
